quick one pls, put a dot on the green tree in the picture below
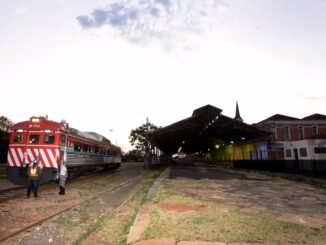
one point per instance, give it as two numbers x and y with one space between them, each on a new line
139 139
133 156
5 124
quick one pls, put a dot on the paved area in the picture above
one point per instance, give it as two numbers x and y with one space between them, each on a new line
281 199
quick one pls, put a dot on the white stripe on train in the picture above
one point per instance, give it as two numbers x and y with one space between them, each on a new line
10 161
53 159
30 155
21 155
16 161
45 159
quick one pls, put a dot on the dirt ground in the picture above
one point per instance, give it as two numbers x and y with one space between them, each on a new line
225 205
87 199
189 204
250 191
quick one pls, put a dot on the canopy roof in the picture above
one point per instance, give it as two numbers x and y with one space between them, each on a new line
206 128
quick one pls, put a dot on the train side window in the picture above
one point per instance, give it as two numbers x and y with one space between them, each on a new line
17 138
77 146
34 139
84 148
49 139
63 140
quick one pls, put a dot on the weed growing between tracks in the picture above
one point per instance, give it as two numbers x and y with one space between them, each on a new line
114 228
93 223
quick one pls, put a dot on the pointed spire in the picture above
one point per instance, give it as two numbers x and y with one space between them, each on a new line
237 113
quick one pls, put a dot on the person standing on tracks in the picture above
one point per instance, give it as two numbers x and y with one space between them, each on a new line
63 174
34 174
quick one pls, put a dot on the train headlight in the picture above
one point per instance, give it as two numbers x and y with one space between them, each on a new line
35 120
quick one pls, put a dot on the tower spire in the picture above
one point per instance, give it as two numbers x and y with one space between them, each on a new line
237 113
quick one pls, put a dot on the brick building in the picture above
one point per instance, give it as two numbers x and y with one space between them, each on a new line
291 137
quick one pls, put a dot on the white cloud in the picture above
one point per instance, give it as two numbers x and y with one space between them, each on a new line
165 21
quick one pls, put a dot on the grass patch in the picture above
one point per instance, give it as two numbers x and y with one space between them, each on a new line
70 218
150 175
223 223
114 228
234 226
163 194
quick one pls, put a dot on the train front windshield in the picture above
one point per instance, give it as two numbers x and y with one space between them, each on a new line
34 139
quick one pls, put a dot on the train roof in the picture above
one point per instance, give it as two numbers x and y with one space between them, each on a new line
103 139
100 137
37 122
90 135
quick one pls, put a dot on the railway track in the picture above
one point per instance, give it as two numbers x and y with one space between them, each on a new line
14 200
19 191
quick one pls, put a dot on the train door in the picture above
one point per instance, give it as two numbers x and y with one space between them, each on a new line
63 147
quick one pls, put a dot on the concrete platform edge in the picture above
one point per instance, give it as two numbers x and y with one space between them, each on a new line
142 218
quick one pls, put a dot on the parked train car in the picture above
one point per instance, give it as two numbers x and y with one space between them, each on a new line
54 142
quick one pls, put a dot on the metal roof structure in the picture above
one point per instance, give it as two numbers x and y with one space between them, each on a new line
202 131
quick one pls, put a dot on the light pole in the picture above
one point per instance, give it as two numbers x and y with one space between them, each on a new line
111 133
110 130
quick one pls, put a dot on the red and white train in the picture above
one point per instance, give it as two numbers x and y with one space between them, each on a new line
54 142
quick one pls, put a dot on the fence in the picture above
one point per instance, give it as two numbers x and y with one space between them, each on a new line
286 166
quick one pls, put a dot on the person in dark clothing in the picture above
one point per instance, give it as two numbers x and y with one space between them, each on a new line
34 174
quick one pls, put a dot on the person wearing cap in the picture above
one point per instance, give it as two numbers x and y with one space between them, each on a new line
34 174
63 174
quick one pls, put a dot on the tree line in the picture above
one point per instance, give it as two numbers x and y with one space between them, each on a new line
5 125
139 138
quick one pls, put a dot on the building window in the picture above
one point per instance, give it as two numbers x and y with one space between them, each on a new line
287 133
288 153
274 132
314 130
301 133
303 152
320 149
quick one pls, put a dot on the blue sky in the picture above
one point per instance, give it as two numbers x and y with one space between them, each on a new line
105 65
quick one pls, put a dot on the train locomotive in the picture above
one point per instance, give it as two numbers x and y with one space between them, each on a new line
53 142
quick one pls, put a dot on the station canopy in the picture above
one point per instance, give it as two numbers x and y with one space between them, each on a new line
204 130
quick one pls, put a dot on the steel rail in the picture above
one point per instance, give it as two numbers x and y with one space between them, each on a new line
62 211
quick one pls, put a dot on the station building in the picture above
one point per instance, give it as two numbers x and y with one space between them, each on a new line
209 134
295 139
